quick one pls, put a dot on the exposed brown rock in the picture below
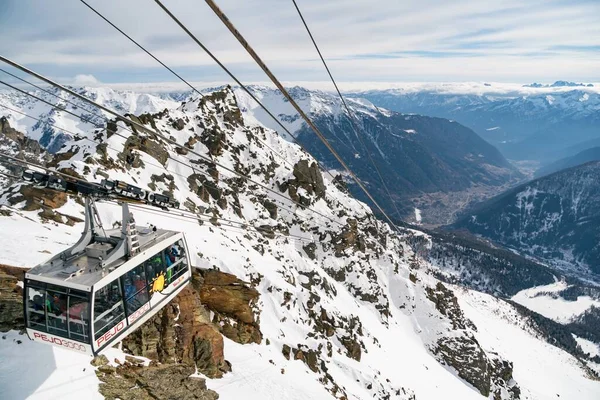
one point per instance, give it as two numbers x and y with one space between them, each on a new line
447 304
226 294
38 198
170 381
352 347
231 301
11 303
191 340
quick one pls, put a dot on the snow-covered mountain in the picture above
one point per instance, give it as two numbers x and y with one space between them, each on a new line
346 307
427 162
52 138
532 123
554 217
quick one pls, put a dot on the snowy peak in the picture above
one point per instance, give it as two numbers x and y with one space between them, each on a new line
53 127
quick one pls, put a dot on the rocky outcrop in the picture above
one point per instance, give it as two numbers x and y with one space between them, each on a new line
144 144
11 302
46 201
181 333
349 238
447 304
231 301
487 372
20 146
307 183
131 381
184 333
23 144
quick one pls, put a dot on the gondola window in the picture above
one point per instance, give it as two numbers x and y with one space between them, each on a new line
79 316
56 303
176 262
108 308
36 307
58 310
136 293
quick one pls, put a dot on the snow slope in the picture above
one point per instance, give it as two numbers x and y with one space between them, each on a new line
545 371
359 287
538 299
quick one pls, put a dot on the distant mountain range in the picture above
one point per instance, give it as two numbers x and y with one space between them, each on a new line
530 123
555 218
592 154
559 84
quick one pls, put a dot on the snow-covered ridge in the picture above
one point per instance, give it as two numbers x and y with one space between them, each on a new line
65 124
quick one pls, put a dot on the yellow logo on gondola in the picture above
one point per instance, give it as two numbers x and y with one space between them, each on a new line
159 283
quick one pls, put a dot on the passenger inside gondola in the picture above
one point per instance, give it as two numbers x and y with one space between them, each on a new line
56 316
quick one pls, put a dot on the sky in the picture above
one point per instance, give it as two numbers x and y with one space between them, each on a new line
362 40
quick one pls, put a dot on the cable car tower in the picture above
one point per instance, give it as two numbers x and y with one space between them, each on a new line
105 286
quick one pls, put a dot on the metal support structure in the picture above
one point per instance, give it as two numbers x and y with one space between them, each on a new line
89 230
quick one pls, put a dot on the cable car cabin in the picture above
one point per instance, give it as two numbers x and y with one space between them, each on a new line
92 295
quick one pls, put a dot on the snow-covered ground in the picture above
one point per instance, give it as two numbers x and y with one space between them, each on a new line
417 215
543 371
587 346
35 371
540 300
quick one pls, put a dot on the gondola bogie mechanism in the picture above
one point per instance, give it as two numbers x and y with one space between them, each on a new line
106 189
106 285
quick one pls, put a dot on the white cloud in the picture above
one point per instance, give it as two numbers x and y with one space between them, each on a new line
85 80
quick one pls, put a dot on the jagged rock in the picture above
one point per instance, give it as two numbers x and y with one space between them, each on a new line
11 303
99 361
267 231
215 140
204 187
339 183
111 128
226 294
271 208
310 250
44 200
446 303
170 381
28 148
286 351
193 340
489 373
179 124
348 238
352 347
466 356
308 178
231 301
146 145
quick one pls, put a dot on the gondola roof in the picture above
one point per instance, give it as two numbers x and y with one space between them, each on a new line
85 270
